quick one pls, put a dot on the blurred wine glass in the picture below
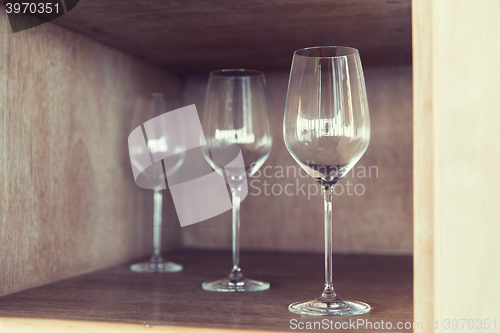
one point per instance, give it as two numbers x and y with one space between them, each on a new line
153 175
235 120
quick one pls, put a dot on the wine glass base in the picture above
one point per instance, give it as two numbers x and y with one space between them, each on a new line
153 266
336 308
226 285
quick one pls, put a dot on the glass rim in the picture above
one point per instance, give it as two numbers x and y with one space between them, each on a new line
308 52
236 73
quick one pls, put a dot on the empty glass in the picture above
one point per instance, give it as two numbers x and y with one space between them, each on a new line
327 130
153 176
235 119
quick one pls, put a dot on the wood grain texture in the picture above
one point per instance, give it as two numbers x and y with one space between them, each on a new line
423 156
68 201
171 302
72 326
456 94
373 209
204 35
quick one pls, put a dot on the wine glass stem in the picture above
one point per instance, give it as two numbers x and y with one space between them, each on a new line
236 230
328 291
158 197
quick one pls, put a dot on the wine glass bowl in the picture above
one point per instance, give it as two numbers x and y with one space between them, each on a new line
326 129
326 126
236 115
235 122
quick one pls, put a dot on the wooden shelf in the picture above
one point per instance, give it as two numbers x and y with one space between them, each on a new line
200 35
118 295
61 90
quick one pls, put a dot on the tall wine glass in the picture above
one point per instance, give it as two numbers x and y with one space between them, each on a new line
327 130
153 176
235 119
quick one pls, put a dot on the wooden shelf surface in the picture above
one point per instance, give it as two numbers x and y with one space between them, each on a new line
176 300
194 36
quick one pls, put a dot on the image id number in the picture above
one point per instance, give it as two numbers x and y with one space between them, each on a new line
469 323
32 8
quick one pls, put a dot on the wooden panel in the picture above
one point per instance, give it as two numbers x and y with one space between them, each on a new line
456 94
373 208
68 201
170 302
205 35
423 156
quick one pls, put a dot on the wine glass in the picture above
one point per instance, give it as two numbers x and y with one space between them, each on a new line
235 120
152 175
326 130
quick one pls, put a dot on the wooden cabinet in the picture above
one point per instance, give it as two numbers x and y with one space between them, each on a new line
68 96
